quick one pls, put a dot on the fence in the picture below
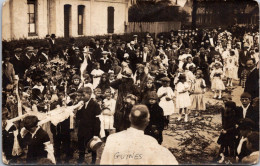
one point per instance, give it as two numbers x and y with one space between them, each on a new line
152 27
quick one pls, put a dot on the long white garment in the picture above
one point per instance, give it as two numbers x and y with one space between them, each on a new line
133 147
167 106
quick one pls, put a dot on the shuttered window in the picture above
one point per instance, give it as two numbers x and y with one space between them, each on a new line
80 19
110 19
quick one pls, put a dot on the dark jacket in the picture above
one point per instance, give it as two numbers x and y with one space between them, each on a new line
251 114
89 123
156 122
35 145
8 74
252 83
105 66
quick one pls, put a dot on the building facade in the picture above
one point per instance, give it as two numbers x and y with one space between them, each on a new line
65 18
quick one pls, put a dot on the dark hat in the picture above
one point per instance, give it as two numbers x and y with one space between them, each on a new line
53 35
230 104
152 95
18 50
86 90
165 79
30 121
47 36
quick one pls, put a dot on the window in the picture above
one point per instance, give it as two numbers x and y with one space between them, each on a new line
110 19
31 16
80 19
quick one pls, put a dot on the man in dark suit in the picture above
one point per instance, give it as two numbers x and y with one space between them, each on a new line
252 81
105 62
17 62
246 110
244 55
120 52
27 57
44 55
98 51
89 123
35 137
52 44
8 73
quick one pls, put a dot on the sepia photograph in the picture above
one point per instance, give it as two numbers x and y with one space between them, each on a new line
130 82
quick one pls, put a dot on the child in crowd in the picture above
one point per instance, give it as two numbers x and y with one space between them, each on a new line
253 146
216 76
229 130
182 97
197 93
166 95
156 123
109 106
149 87
96 74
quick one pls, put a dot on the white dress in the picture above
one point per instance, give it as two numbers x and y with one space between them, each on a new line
109 119
216 79
182 99
167 106
231 68
96 80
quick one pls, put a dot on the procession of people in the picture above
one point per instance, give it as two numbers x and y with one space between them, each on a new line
124 93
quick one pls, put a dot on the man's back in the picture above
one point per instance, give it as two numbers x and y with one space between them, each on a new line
132 147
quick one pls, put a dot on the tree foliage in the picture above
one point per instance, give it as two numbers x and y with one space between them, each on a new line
152 11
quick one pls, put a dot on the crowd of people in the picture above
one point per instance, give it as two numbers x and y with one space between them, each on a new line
122 83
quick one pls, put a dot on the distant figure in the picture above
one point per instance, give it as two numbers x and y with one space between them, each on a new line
133 147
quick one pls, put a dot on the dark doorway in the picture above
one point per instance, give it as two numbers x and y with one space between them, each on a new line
110 19
67 15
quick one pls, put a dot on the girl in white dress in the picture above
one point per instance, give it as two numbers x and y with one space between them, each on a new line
216 76
231 68
96 73
182 97
166 95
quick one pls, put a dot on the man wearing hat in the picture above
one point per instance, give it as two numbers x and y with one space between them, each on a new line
98 51
156 123
124 85
52 44
27 57
89 123
133 147
135 39
105 62
8 73
35 137
44 55
17 62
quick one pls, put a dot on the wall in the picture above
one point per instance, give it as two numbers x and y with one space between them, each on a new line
50 17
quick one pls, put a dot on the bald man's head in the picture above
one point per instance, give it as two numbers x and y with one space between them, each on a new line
139 116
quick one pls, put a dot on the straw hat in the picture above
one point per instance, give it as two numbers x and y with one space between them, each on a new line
94 144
